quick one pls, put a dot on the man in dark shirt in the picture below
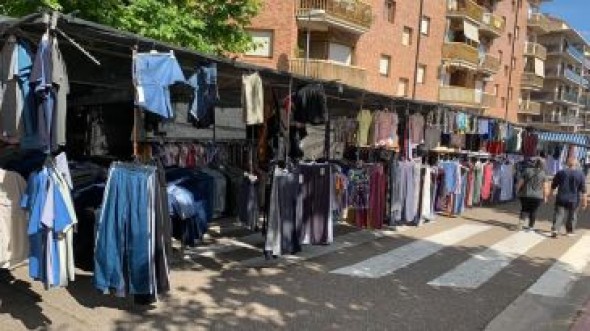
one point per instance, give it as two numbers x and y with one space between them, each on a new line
571 191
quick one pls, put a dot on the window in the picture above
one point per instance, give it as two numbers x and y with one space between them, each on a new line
402 87
513 63
425 25
500 55
510 92
506 69
389 11
502 102
496 89
517 32
384 63
407 36
262 43
510 38
421 74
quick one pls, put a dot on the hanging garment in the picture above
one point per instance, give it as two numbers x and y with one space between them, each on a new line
50 228
364 119
377 196
396 191
14 243
131 234
15 97
154 74
487 181
283 232
253 99
477 182
205 94
314 202
358 199
311 105
426 203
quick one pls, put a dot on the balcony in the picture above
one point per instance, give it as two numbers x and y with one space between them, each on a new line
576 54
456 95
488 100
536 50
490 64
465 8
461 54
530 108
539 22
330 70
352 15
493 25
570 97
530 81
576 78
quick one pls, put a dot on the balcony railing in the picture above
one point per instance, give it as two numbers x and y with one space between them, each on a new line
531 81
568 97
330 70
530 107
352 11
536 50
540 21
490 64
460 52
565 120
467 8
489 100
493 23
576 54
465 96
576 78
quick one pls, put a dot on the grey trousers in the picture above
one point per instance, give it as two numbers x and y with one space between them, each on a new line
570 215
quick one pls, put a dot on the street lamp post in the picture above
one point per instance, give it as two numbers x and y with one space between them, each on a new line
310 13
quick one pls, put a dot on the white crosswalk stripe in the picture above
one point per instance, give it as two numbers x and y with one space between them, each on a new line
481 267
557 280
340 242
402 257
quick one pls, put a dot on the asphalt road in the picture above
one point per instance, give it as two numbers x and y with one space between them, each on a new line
474 272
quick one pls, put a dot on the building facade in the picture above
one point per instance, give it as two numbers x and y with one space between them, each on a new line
555 95
466 53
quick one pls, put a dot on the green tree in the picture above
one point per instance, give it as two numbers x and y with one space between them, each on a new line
213 26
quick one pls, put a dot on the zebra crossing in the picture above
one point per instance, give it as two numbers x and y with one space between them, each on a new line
470 274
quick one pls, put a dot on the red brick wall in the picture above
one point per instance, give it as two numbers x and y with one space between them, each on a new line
278 16
506 9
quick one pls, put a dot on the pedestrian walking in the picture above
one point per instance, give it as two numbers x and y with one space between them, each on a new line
532 188
570 184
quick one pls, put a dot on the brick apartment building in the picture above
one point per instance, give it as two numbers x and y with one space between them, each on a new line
467 53
555 95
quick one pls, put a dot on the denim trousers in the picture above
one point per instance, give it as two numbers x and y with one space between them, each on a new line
124 247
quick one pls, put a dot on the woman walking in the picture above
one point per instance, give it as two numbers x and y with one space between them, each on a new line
532 189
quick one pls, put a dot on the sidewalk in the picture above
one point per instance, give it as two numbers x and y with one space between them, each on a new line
583 321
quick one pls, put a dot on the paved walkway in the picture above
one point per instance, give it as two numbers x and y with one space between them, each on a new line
467 273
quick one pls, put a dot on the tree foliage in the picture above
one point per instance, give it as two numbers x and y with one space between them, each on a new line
213 26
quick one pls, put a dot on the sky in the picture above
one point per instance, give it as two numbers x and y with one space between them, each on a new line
575 12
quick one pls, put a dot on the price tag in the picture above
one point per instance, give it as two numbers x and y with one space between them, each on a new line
140 95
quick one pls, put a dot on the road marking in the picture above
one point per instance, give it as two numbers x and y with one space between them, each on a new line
556 281
341 242
387 263
225 245
481 267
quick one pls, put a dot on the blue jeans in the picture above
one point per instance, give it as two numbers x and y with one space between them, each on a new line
124 232
204 83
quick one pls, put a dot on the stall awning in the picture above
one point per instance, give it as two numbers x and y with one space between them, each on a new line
578 140
565 138
471 31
